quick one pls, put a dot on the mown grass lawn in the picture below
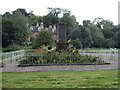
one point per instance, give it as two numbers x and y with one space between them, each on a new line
61 79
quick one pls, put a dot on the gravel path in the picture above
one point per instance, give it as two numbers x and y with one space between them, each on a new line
13 67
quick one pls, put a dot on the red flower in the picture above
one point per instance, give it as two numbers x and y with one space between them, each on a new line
76 52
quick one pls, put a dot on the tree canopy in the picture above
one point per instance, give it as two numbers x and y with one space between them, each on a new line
96 33
14 29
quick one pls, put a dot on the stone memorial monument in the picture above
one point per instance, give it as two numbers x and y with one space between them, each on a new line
62 37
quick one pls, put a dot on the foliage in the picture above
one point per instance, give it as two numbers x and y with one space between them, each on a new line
116 36
15 27
44 38
14 48
109 43
50 19
75 34
77 43
23 11
71 22
107 27
20 22
86 23
15 30
86 37
8 33
65 57
33 19
97 36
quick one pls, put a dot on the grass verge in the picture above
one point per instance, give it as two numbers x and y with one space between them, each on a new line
61 79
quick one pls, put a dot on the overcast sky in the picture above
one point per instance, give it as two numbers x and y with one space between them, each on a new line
82 9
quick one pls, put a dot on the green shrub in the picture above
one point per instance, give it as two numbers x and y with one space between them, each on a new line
77 43
44 38
14 48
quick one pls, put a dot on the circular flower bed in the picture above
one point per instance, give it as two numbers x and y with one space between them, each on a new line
63 57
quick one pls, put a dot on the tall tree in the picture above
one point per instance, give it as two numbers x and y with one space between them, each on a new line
8 33
97 35
98 22
109 43
75 34
86 37
15 29
116 38
106 26
71 22
50 19
54 12
86 23
23 11
33 19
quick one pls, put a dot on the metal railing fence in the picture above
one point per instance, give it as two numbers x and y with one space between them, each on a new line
9 57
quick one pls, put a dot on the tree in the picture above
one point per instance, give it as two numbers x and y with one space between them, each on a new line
15 30
20 22
44 38
98 22
106 26
109 43
86 37
97 36
75 34
53 15
57 11
8 33
50 19
33 19
71 22
118 39
23 11
86 23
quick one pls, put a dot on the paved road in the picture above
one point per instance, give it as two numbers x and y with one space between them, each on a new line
13 67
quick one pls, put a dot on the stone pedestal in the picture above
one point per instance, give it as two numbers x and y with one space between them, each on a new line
62 45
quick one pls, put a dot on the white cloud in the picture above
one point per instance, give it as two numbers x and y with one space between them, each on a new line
82 9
